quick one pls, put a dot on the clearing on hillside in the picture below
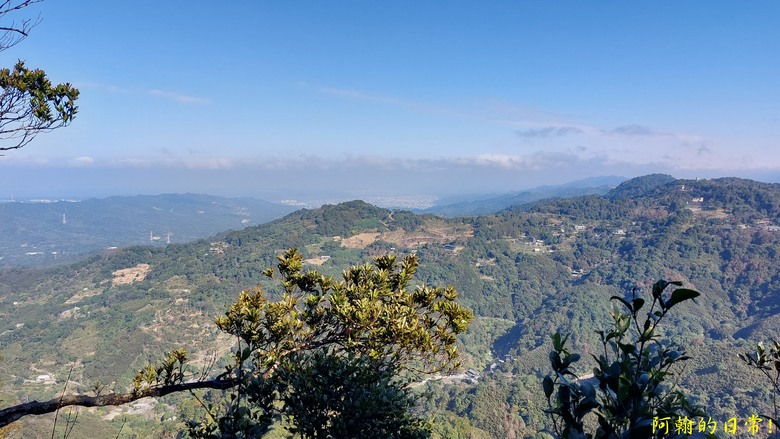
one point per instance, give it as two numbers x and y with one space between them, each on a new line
319 260
361 240
130 275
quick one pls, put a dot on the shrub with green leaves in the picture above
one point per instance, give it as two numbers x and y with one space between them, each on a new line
767 361
295 356
629 395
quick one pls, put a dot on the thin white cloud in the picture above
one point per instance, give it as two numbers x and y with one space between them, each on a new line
535 123
82 161
359 95
209 163
635 130
193 163
549 128
379 99
312 173
177 97
153 92
547 132
632 144
23 160
108 88
689 157
535 161
558 134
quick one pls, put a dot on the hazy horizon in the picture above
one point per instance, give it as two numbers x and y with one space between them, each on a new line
346 99
315 198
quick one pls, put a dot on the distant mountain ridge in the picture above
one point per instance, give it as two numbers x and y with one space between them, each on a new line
476 205
46 233
640 186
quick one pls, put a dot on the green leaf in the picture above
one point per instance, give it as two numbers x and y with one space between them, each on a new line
623 324
624 301
659 288
627 348
680 295
638 303
555 361
556 338
547 384
559 342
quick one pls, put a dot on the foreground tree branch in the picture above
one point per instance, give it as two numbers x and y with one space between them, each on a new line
14 32
368 333
16 412
29 102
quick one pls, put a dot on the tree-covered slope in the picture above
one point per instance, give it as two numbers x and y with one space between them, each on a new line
526 273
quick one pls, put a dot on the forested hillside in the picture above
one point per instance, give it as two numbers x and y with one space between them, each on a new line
526 272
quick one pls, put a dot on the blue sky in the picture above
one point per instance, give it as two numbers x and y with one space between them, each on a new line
352 98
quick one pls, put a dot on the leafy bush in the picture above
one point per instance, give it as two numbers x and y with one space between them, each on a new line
632 397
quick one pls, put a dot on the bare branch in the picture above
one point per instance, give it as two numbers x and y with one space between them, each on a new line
11 34
13 29
11 414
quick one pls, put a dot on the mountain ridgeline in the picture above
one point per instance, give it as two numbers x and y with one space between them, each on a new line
527 272
490 204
